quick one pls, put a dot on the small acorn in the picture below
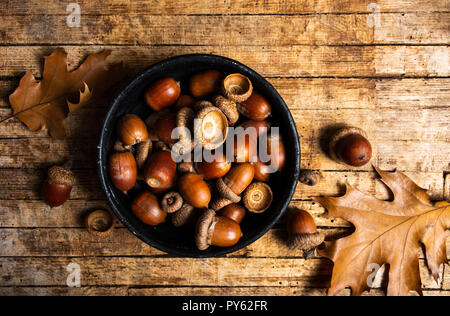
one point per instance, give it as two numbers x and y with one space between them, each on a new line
233 211
235 182
57 186
162 93
303 232
216 230
351 146
205 83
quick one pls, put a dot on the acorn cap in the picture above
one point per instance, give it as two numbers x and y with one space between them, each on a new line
257 197
200 105
182 216
237 87
219 203
205 229
211 127
224 190
228 107
142 151
306 242
100 223
184 120
340 135
171 202
61 176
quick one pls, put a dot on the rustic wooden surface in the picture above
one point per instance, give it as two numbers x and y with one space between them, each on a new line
330 65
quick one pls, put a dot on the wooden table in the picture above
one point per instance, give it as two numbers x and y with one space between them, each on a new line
332 61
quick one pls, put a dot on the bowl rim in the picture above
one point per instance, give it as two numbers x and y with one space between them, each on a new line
295 147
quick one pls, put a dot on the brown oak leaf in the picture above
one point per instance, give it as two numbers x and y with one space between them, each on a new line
387 232
45 104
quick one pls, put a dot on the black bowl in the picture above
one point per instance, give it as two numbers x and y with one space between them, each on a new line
166 237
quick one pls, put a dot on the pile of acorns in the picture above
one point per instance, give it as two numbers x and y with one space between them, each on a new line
204 194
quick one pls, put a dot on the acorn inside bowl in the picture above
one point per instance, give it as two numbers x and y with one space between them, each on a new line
165 236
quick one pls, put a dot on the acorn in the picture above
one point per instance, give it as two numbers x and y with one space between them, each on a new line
237 87
228 107
123 170
216 230
162 93
57 186
163 126
233 211
184 100
131 130
235 182
213 170
257 197
256 107
303 232
147 209
205 83
351 146
159 170
194 190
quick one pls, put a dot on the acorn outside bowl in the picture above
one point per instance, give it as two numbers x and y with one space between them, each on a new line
181 241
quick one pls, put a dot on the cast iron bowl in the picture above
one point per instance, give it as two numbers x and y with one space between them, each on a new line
179 241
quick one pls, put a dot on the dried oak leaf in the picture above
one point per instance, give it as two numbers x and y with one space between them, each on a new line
45 104
387 232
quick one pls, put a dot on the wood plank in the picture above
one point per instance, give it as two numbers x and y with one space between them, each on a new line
168 7
65 291
35 213
446 283
77 242
270 61
257 291
342 29
231 272
40 152
326 93
187 291
26 184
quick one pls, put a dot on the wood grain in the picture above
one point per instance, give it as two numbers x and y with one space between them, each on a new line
145 271
168 7
188 291
269 61
77 242
327 62
249 30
